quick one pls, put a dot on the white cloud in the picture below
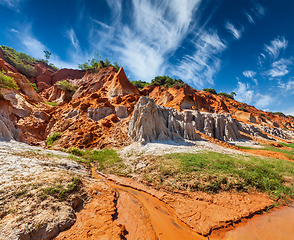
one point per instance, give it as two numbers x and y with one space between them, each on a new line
235 32
154 32
250 18
70 33
243 93
279 68
12 4
275 47
263 101
259 10
249 74
200 67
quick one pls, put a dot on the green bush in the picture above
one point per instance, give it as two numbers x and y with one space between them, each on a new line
167 81
96 63
7 82
20 61
243 108
52 138
140 84
66 86
231 96
34 86
210 90
261 114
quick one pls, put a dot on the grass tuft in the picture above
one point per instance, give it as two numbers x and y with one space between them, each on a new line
52 138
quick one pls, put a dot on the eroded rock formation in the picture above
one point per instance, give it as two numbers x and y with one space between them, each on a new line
151 122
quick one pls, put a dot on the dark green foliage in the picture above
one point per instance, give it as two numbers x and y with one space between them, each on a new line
47 54
20 61
243 108
66 86
167 81
34 86
96 64
231 96
210 90
7 82
280 114
53 137
261 114
140 84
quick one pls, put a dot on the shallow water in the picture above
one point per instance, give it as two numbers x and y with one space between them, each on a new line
276 225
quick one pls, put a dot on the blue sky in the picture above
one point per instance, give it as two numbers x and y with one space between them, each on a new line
231 45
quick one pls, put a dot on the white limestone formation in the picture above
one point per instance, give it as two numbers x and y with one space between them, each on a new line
151 122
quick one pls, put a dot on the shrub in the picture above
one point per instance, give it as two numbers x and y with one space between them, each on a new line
34 86
140 84
20 61
210 90
231 96
66 86
261 114
167 81
52 138
243 108
7 82
96 64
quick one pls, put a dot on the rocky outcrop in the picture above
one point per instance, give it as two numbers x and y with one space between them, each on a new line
121 86
151 122
99 113
44 80
67 74
276 132
25 86
245 116
251 130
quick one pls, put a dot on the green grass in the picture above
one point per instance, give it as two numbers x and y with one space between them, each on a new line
288 153
54 104
106 160
7 82
34 86
212 172
59 191
53 138
66 86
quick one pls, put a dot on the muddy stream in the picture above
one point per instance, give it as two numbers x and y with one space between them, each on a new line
278 224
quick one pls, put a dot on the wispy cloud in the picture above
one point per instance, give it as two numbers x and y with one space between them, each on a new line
243 93
263 101
12 4
233 30
276 46
200 67
70 33
279 68
153 32
258 9
250 74
250 18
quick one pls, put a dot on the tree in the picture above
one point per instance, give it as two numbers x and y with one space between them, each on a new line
47 54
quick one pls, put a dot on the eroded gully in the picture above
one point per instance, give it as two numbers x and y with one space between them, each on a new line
278 224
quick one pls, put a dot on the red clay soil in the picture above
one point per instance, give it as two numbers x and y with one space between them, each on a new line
203 212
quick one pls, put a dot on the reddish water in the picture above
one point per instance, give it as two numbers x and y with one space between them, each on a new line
276 225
